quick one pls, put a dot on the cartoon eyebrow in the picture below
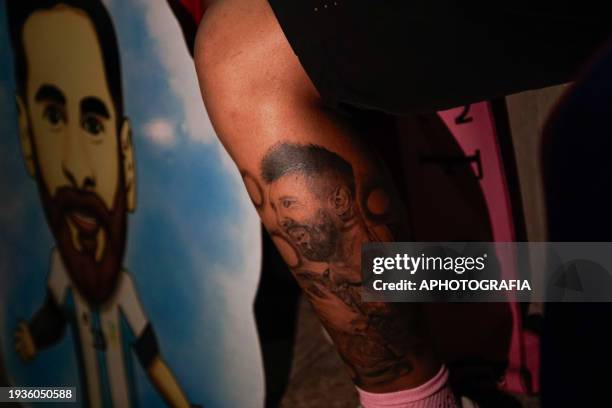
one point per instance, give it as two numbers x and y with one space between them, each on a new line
95 106
50 93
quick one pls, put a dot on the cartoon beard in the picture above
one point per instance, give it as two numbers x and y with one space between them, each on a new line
317 239
94 270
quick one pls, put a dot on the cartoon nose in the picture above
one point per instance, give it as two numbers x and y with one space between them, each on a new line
75 164
85 183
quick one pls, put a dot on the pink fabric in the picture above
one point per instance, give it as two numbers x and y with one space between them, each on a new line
479 134
434 393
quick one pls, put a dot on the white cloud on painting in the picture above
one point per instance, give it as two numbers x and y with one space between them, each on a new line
181 76
164 29
179 125
160 131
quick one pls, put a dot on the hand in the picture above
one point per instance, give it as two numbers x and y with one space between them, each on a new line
24 343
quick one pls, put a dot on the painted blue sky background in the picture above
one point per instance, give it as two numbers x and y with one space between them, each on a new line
193 248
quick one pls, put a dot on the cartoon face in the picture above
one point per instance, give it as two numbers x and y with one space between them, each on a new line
77 146
71 112
307 219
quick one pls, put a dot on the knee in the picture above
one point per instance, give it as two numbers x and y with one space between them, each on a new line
244 61
221 55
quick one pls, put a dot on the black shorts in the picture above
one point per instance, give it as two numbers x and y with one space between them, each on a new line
403 56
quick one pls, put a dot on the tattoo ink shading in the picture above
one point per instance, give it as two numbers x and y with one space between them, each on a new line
289 253
253 188
312 192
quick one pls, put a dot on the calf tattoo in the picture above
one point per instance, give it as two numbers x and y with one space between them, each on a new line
318 225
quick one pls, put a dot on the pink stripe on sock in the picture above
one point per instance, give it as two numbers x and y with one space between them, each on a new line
434 393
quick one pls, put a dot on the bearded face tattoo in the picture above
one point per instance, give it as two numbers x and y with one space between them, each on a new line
310 191
316 239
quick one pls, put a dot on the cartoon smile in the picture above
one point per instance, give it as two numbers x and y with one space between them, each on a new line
86 233
87 224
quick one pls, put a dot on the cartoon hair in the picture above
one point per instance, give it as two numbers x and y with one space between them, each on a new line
19 11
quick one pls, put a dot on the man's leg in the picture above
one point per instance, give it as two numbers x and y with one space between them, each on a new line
319 190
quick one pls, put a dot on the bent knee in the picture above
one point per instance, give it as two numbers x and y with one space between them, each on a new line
224 49
243 58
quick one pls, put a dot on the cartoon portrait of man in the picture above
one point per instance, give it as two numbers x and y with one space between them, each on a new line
76 144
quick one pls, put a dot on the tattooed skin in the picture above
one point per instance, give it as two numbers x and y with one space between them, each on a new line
312 193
